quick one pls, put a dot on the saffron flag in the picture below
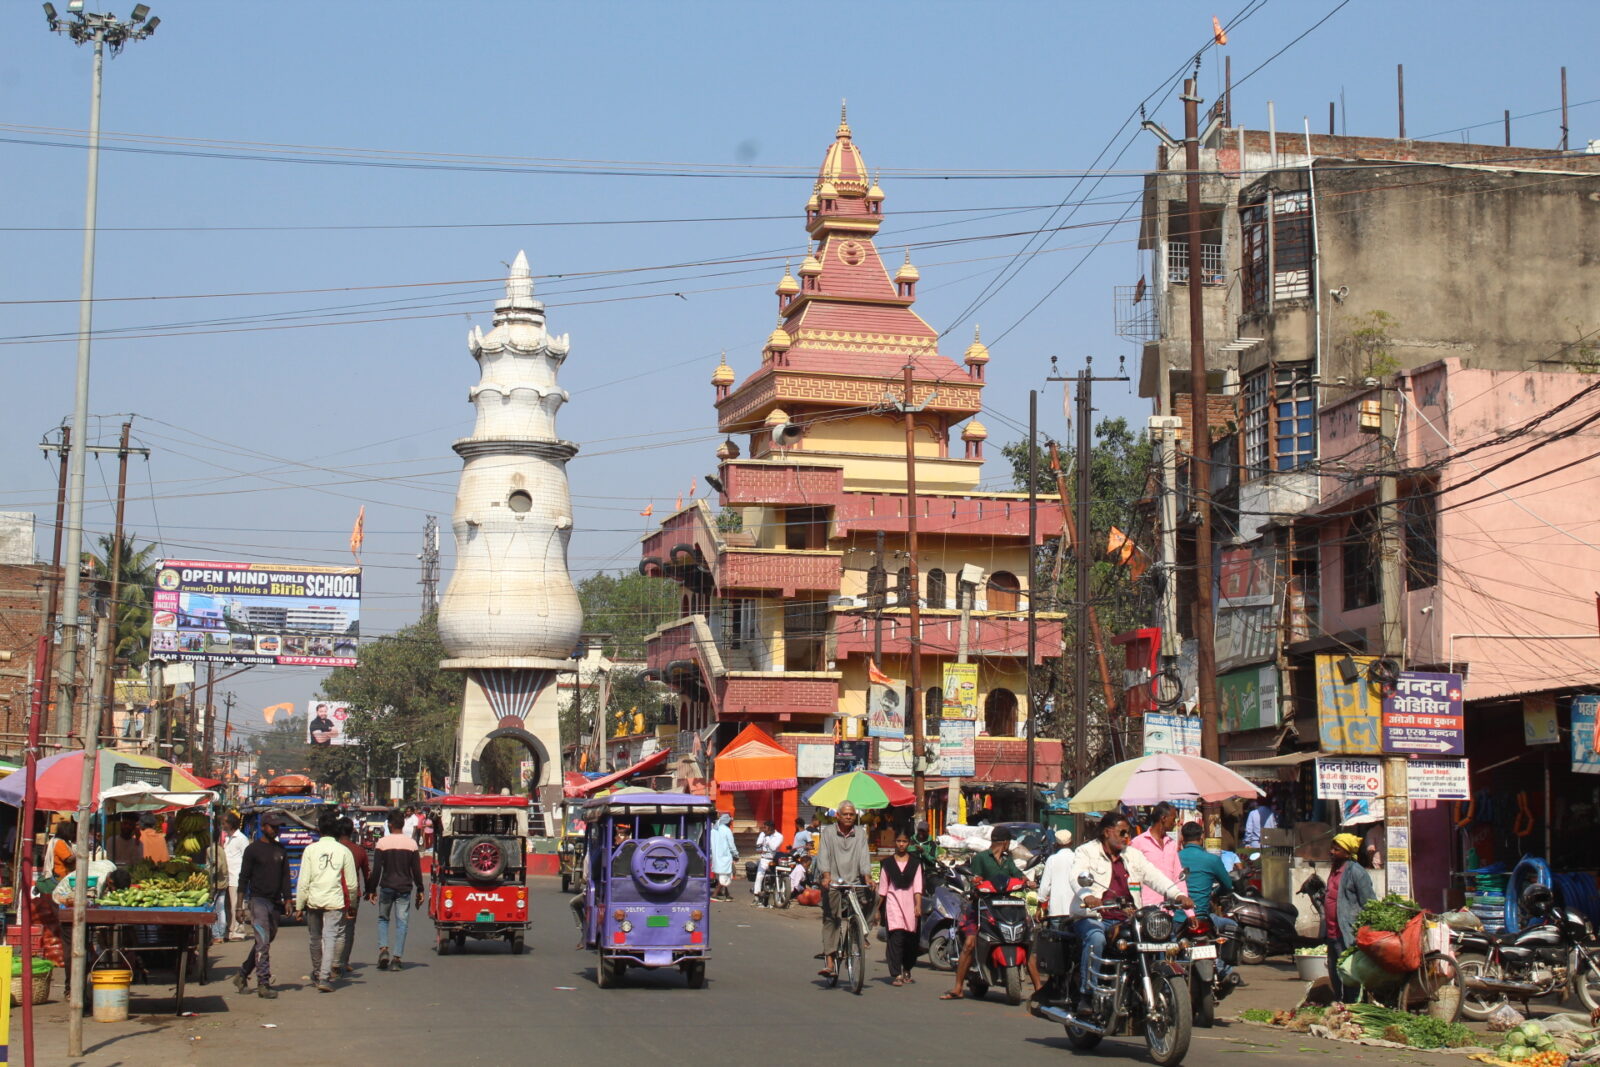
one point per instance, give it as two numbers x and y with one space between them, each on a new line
694 483
358 533
1127 554
276 709
649 510
877 677
1218 34
680 501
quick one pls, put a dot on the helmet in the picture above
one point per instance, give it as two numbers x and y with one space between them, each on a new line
1536 899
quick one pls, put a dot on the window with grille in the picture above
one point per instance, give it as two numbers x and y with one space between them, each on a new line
1294 433
1257 398
903 592
936 588
1420 513
1253 260
1359 555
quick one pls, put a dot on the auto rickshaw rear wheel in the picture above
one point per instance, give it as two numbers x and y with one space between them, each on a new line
604 975
695 973
441 943
566 883
516 944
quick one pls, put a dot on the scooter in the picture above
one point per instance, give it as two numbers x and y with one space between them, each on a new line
1004 939
1265 928
941 915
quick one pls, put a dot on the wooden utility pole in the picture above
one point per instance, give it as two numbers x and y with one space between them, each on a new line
1033 586
1200 434
1391 576
919 758
203 760
108 638
1070 524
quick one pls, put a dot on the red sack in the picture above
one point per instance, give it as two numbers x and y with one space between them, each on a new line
811 898
1398 953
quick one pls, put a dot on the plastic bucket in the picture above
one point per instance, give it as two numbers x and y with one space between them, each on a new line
111 994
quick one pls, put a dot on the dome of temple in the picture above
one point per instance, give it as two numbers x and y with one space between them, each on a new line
779 340
977 351
975 431
723 375
907 272
777 417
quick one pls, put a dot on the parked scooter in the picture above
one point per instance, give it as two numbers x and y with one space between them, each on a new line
1268 929
1554 956
941 915
1004 940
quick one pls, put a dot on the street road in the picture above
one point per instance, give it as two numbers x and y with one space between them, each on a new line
762 1003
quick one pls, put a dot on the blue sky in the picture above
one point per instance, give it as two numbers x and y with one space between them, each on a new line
266 441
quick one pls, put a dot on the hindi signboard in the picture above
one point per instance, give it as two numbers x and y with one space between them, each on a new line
1438 779
1422 715
960 691
813 761
1585 758
1343 778
288 614
1171 735
1348 713
958 748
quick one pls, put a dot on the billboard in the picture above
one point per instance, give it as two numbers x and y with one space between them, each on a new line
886 711
960 691
1348 713
325 723
290 614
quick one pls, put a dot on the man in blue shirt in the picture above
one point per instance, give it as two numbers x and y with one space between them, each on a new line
1206 875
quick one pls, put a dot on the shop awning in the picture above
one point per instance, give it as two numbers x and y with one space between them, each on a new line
1266 768
644 766
753 761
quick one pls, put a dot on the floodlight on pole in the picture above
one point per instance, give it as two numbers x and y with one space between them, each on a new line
103 31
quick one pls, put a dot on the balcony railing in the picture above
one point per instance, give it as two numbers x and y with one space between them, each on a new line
783 571
1213 269
987 635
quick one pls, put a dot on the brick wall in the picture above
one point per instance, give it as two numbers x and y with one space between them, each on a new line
24 588
1224 412
784 572
785 483
1291 145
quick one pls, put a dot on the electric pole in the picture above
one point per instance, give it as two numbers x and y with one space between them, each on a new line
1033 587
1391 575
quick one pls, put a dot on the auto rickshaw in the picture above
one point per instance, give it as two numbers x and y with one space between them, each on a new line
479 886
573 845
647 901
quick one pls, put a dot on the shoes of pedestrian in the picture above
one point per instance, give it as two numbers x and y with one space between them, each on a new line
324 986
383 959
394 963
241 982
266 992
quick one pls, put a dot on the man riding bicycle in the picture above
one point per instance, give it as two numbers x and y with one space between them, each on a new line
842 857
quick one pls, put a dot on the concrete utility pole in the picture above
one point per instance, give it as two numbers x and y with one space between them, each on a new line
1033 586
1391 578
1200 426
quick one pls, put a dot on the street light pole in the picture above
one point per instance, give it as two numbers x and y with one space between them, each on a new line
102 31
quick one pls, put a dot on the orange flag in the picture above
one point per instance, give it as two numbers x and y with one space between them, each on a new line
877 677
649 510
680 501
1218 34
1127 554
694 483
358 533
277 709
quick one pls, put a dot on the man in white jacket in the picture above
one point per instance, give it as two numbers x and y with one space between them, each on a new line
327 890
1114 870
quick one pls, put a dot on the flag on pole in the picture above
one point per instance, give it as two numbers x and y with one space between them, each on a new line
1127 554
649 510
358 533
680 501
1218 34
877 677
694 483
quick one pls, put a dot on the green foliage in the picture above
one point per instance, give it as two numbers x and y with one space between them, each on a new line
629 607
1367 345
136 577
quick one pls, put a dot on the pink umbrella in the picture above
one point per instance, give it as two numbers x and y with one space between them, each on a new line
1151 779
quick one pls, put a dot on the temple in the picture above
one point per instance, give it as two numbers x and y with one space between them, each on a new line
801 578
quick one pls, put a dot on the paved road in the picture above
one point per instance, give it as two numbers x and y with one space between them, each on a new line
762 1001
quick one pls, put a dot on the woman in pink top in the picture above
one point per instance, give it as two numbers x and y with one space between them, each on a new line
899 904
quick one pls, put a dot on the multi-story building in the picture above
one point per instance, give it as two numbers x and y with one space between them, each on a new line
802 578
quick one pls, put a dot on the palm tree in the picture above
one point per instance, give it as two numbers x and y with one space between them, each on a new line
136 577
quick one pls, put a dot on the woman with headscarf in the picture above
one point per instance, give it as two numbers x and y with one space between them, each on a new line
1349 887
899 905
724 853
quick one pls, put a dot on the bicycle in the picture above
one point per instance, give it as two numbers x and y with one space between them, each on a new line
851 964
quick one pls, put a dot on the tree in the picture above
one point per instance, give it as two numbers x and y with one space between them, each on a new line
397 695
136 576
1119 470
282 747
629 607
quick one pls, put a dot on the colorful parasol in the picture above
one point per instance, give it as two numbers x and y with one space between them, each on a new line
1151 779
864 789
60 777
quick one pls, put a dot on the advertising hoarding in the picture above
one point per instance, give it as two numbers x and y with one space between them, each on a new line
886 711
1348 713
958 748
325 723
960 691
212 612
1422 714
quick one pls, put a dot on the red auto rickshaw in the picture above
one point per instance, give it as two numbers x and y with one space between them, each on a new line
479 886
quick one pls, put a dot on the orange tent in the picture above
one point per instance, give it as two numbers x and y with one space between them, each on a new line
754 763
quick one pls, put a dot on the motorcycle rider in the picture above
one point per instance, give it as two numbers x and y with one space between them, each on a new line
1207 876
1111 867
768 842
995 866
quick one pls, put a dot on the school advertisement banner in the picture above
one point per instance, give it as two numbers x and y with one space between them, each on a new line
961 691
211 612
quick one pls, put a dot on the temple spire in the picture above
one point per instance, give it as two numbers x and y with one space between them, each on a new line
519 287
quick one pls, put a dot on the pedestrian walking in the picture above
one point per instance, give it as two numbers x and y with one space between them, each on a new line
264 884
325 893
233 844
841 857
1349 887
899 905
347 838
724 854
396 878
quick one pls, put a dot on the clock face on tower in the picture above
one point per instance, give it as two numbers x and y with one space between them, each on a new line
852 253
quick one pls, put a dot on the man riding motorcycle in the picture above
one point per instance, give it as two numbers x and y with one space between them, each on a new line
1112 868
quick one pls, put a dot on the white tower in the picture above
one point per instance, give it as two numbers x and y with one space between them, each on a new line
510 617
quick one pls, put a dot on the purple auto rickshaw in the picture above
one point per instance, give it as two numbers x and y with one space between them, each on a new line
647 901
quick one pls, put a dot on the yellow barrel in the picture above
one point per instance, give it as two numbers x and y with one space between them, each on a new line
111 994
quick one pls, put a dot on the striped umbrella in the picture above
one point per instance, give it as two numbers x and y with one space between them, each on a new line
864 789
1151 779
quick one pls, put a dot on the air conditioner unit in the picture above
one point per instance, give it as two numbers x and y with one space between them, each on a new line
843 602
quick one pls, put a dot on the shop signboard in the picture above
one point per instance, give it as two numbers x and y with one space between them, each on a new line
813 761
1585 756
1539 720
958 748
1171 735
294 615
886 711
1437 779
960 691
1248 698
1247 607
1348 713
1344 778
1422 715
894 757
851 756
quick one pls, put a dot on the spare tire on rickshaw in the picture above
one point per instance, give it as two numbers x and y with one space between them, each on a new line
485 859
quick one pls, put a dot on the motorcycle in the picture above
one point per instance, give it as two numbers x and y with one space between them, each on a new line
1268 929
1556 956
1001 956
941 916
1141 984
1210 957
775 885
